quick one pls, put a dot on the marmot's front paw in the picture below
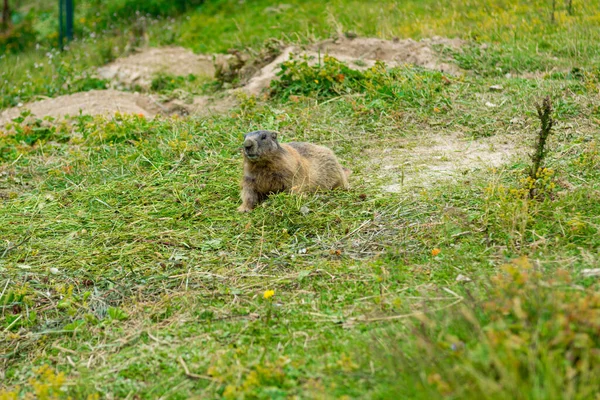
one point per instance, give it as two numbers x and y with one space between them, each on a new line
243 209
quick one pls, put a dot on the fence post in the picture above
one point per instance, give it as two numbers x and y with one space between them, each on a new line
61 28
69 15
65 21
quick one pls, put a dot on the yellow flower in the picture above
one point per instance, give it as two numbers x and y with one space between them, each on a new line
435 252
268 294
316 81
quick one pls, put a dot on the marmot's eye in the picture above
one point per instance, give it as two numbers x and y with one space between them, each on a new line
263 137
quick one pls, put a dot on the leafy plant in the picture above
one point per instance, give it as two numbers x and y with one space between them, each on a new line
117 314
327 79
410 86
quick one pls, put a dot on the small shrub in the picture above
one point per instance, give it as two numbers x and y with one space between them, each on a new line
408 85
331 78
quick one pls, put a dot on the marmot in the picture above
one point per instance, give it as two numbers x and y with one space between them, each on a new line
273 167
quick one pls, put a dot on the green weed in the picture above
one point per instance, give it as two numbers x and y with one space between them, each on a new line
412 87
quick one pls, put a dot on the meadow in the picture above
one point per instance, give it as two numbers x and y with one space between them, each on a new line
126 272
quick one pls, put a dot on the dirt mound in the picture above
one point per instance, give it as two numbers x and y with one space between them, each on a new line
365 51
362 53
103 102
108 102
421 162
139 69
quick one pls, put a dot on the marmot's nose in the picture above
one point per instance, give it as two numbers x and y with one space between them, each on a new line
248 144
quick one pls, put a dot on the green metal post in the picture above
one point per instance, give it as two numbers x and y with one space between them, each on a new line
61 12
69 15
65 21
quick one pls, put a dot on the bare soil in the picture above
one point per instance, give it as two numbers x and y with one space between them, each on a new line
139 69
94 102
392 52
108 102
422 162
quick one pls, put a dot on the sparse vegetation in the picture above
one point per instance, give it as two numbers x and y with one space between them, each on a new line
125 270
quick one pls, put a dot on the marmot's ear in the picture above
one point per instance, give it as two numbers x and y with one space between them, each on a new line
274 135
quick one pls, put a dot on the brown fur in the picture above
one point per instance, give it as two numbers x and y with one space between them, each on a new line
271 167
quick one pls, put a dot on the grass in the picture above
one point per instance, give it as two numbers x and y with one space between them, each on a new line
520 37
125 270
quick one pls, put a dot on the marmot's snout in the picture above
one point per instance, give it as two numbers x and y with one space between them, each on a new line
250 148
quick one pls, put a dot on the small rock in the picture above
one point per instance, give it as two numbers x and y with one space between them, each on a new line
496 88
302 251
508 75
491 105
483 46
587 273
304 210
135 76
54 270
462 278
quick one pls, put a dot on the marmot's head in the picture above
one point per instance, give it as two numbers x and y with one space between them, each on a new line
259 145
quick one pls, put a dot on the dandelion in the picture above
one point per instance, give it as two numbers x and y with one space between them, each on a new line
435 252
316 81
268 294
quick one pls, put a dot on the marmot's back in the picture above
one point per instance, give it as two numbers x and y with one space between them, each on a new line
325 170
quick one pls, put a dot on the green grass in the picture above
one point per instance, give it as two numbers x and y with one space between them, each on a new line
520 37
126 271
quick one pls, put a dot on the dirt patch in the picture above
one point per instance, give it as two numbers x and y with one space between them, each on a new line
108 102
139 69
362 53
366 51
421 162
206 105
103 102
